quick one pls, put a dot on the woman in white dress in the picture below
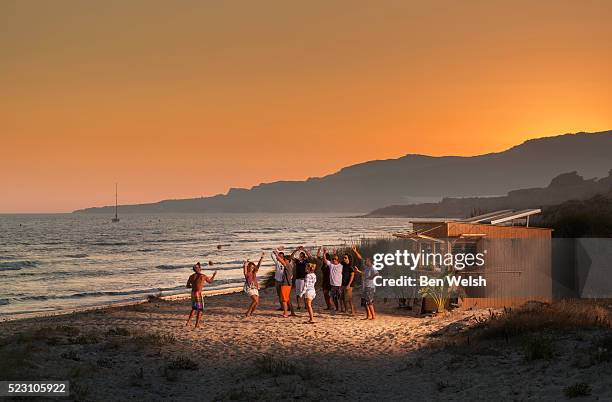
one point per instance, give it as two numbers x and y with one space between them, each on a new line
309 292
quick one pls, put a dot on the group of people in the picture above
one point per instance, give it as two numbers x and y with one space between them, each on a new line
296 272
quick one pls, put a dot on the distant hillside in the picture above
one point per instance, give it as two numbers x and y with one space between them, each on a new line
579 218
411 178
568 186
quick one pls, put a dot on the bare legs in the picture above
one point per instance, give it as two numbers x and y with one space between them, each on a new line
347 300
308 303
287 306
189 319
351 304
370 313
253 306
198 315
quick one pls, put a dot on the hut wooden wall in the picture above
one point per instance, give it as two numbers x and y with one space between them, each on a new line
516 269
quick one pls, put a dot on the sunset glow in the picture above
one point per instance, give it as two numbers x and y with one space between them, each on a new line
179 100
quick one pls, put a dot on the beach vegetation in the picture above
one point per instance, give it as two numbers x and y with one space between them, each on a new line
580 218
576 390
79 391
16 362
155 339
538 347
182 363
306 370
170 375
71 355
86 339
441 292
534 317
118 331
601 350
105 362
137 378
275 366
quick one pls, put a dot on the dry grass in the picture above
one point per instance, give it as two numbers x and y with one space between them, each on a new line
118 331
577 390
155 339
182 363
275 366
538 347
534 317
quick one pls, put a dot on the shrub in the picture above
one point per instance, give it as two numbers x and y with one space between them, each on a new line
534 317
155 339
576 390
602 350
538 347
89 339
275 366
71 355
118 331
182 363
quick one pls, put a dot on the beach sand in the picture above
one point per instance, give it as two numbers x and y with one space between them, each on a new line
145 352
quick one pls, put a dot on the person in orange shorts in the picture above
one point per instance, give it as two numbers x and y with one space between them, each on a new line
285 288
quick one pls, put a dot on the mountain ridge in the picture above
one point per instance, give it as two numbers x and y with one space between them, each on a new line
373 184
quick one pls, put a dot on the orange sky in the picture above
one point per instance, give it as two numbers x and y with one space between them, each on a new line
189 98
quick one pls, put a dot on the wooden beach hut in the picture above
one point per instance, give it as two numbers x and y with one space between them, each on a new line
517 258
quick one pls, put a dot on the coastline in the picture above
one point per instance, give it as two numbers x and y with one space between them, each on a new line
119 304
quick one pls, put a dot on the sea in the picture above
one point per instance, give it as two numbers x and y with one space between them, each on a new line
62 262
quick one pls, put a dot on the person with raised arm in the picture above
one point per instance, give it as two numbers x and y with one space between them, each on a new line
309 292
368 288
279 268
348 276
285 287
325 284
251 285
301 263
196 283
335 278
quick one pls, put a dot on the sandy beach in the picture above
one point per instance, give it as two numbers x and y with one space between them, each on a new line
144 351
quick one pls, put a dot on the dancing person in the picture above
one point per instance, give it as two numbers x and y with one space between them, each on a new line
300 272
285 288
278 273
335 278
196 283
251 286
309 292
368 288
348 275
325 284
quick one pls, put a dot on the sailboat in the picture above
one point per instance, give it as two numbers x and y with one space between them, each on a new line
116 218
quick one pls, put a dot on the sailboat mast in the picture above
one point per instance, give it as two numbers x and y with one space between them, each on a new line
115 200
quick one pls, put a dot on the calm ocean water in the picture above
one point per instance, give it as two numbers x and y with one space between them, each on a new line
64 261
